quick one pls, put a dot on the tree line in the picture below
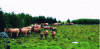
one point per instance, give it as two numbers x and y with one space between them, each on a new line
82 21
12 20
86 21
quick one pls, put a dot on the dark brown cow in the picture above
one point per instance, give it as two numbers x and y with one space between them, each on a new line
53 34
46 33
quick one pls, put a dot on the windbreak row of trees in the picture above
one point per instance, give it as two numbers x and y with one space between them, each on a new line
86 21
12 20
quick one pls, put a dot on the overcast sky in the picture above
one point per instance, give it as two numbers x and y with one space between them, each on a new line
59 9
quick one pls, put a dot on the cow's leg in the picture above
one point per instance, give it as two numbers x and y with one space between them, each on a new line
30 31
17 34
8 34
52 36
20 35
45 36
11 34
26 34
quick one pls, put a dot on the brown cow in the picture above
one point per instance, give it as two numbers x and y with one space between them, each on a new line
23 31
42 24
32 27
16 31
46 27
67 23
7 31
53 34
37 28
46 24
54 28
46 33
28 29
55 24
71 23
59 23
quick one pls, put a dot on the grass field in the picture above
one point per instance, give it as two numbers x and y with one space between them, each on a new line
87 35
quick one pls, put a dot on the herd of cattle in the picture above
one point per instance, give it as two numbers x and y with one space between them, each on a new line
33 28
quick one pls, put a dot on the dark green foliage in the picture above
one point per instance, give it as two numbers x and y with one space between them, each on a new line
42 19
50 20
12 20
86 21
68 20
59 21
2 24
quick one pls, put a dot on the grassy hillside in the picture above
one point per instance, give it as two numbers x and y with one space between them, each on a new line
88 35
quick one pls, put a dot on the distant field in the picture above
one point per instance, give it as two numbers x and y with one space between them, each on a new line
88 35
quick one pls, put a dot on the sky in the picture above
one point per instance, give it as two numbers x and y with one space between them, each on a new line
59 9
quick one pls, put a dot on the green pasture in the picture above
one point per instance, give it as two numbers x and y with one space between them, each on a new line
87 35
